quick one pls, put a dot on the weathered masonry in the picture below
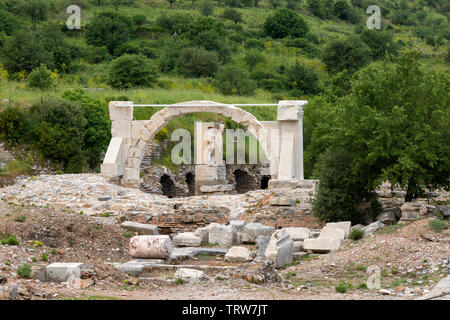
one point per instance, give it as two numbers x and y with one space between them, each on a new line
281 140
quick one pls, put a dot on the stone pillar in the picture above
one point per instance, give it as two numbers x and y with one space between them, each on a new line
121 115
210 169
290 122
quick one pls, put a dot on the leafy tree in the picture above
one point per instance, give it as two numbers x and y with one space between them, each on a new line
40 78
321 8
197 62
380 42
24 51
234 80
343 11
253 57
131 71
342 195
8 23
396 124
36 9
285 23
210 40
233 15
109 29
303 80
349 54
206 8
13 126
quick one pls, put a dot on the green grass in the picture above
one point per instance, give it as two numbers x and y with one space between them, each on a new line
9 240
24 271
438 225
341 288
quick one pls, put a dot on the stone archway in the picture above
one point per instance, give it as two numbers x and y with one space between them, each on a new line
160 119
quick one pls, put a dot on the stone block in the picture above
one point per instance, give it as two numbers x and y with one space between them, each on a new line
186 239
322 244
61 272
332 233
190 275
151 247
140 228
121 110
298 234
298 246
221 234
343 225
253 230
371 228
261 243
388 216
238 254
280 249
203 234
290 110
413 211
282 202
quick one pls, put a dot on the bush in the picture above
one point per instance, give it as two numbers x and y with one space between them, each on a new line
197 62
303 79
109 29
356 234
40 78
97 54
341 288
13 126
206 8
438 225
234 80
24 270
44 257
253 57
162 135
349 54
233 15
131 71
9 239
341 195
285 23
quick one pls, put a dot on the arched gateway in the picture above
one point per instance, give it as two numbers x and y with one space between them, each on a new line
281 140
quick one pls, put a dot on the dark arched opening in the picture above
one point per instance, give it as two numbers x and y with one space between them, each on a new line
265 182
168 187
190 183
242 180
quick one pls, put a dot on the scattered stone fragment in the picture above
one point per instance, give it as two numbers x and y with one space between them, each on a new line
261 243
203 234
282 202
221 234
190 275
390 216
371 228
412 211
297 234
280 249
151 247
332 233
298 246
343 225
253 230
140 228
61 272
186 239
238 254
322 245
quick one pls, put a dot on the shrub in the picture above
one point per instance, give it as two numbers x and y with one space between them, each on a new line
303 79
285 23
349 54
234 80
24 270
97 54
233 15
437 225
13 126
206 8
341 288
109 29
20 218
162 135
362 286
197 62
44 257
53 251
356 234
131 71
253 57
40 78
9 239
341 193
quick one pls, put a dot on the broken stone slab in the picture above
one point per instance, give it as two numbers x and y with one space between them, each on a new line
388 216
253 230
136 267
221 234
261 243
151 247
186 239
140 228
217 188
238 228
343 225
282 202
322 245
371 228
298 246
412 211
203 234
314 233
63 271
238 254
332 233
190 275
444 210
280 249
297 234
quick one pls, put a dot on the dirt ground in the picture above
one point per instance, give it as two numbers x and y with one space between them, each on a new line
411 260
